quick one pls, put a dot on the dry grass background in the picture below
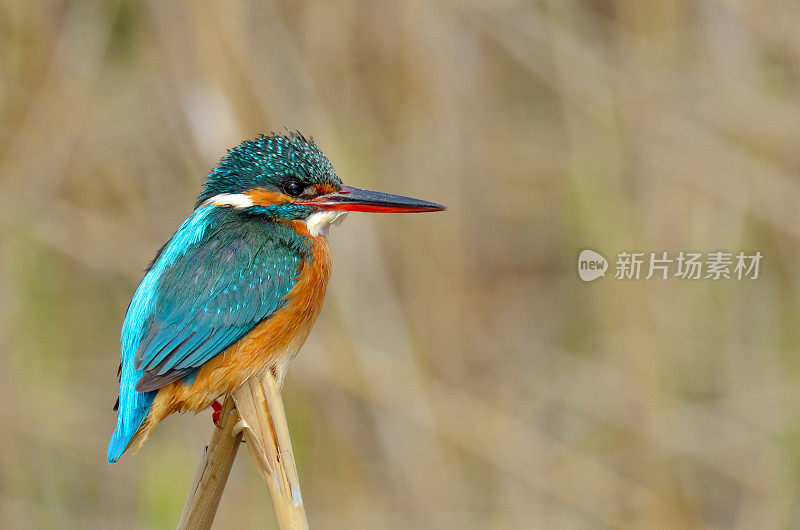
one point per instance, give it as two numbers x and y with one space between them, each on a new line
460 376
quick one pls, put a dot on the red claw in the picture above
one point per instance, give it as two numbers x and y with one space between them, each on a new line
217 406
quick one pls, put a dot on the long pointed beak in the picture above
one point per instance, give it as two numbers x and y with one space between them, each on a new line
358 200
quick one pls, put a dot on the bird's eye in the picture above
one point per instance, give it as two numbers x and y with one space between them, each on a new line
293 187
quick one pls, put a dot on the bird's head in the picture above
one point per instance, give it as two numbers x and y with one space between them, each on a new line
286 177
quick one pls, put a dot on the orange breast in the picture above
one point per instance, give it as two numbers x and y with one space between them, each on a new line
274 340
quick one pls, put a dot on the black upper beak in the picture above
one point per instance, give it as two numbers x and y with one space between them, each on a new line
358 200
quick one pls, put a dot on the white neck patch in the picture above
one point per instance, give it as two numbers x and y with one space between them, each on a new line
237 200
319 222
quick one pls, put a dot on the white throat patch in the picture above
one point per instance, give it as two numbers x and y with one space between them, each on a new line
319 222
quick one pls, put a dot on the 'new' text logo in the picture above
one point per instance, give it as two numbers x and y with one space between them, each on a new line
591 265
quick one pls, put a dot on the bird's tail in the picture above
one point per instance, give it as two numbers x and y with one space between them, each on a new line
132 409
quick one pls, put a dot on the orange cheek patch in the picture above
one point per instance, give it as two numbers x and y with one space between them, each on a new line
265 197
324 189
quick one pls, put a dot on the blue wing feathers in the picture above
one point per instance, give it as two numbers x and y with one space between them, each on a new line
178 342
209 285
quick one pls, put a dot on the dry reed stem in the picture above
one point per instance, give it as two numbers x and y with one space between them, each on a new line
212 473
263 423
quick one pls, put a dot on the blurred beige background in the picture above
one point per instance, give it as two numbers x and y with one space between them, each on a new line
461 375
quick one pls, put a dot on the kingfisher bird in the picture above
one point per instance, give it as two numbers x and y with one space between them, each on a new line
235 291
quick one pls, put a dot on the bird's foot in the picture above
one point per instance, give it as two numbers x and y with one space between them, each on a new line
217 406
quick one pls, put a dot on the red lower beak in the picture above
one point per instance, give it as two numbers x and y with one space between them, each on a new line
358 200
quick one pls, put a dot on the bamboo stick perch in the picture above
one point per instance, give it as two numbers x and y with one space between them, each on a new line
254 411
263 423
212 473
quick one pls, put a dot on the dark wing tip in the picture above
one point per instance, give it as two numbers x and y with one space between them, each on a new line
151 381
